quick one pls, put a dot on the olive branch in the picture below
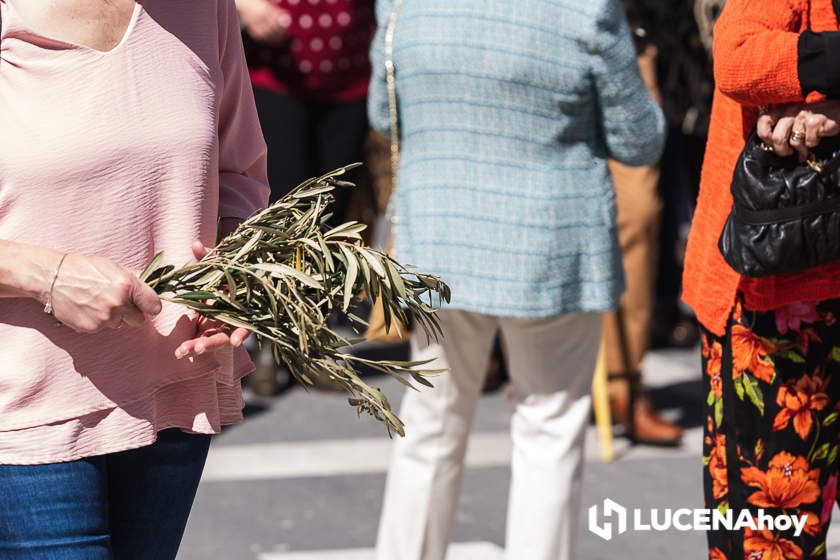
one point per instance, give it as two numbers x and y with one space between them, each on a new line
284 272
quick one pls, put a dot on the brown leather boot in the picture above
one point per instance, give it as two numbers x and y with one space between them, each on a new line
631 407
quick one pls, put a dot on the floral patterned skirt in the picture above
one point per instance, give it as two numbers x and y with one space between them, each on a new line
771 429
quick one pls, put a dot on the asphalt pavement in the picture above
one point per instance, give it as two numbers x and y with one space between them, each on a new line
303 477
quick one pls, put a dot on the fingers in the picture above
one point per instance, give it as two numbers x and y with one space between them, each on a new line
813 125
808 129
820 126
145 298
202 344
199 250
124 315
764 128
830 128
799 132
781 136
113 323
185 348
238 336
142 301
213 342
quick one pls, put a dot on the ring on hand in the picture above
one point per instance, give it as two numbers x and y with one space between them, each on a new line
797 136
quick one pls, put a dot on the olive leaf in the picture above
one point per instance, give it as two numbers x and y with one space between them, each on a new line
284 272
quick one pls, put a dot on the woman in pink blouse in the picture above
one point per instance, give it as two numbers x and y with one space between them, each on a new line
126 128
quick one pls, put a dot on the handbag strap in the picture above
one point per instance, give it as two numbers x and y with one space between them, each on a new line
826 167
391 80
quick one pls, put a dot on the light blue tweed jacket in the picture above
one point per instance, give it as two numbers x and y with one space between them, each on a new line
508 112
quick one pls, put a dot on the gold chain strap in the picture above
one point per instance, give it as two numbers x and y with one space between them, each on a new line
812 161
391 79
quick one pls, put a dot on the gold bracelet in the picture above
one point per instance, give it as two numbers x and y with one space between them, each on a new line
48 308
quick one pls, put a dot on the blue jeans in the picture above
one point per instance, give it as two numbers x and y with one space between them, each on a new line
123 506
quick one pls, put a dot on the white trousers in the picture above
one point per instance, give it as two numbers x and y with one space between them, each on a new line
551 362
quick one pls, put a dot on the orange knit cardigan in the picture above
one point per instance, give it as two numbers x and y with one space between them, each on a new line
755 54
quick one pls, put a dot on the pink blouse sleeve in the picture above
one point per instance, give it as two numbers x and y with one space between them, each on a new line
243 182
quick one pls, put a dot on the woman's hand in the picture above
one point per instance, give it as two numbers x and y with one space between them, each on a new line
799 128
212 335
93 293
264 22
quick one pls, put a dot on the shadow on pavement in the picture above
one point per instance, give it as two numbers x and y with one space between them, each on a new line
686 397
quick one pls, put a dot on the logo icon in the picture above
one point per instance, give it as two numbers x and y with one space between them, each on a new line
612 511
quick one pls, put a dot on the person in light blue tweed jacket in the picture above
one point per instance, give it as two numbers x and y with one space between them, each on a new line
508 112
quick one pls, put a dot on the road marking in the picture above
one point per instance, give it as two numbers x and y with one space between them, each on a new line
331 458
345 457
457 551
321 458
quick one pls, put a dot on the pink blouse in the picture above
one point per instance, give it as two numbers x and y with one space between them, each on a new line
121 154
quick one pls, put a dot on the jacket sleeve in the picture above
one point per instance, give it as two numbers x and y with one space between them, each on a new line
243 182
756 51
378 112
633 125
819 63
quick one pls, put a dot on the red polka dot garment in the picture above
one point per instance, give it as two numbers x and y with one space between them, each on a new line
326 56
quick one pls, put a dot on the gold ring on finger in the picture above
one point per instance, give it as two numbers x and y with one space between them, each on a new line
797 136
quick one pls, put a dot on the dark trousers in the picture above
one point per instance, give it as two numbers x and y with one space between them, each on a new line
772 390
131 505
307 139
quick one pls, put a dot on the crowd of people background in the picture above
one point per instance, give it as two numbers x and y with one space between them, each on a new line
499 158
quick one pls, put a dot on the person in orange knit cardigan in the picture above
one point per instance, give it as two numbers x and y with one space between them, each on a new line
771 369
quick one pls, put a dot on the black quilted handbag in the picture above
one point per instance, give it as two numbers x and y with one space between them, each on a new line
786 213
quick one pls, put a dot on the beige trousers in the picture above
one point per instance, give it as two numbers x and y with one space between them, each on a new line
639 210
551 362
